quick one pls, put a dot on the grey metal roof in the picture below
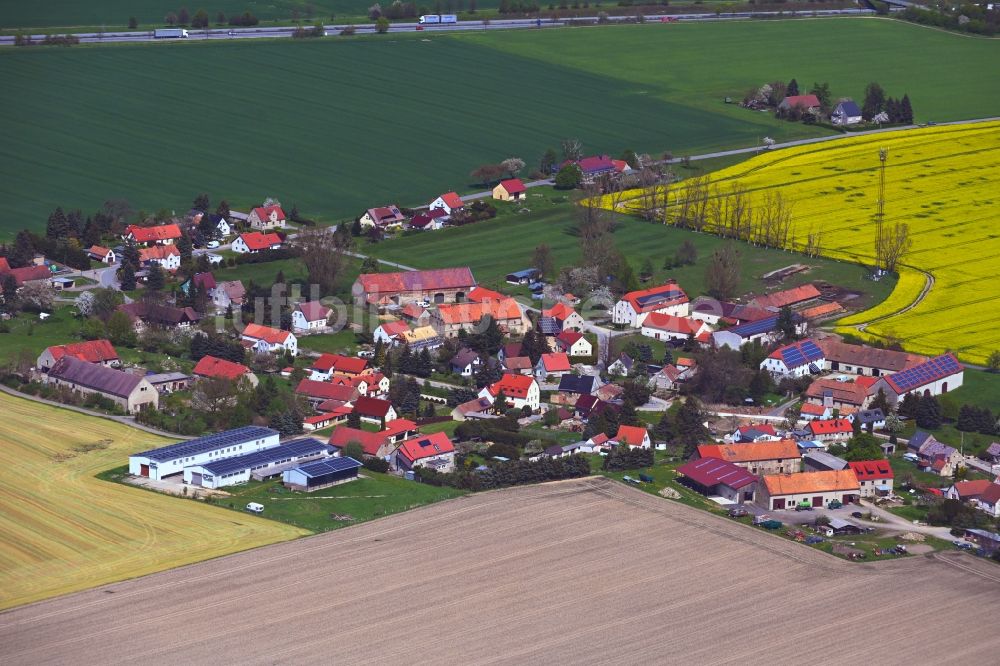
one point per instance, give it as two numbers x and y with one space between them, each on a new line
161 377
277 454
207 443
95 376
825 459
577 383
328 465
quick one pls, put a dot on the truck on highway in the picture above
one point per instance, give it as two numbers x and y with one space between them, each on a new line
167 33
433 19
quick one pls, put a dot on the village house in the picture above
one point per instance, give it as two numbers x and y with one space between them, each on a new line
267 340
211 367
670 328
718 478
383 217
518 391
375 410
449 202
869 419
466 362
967 491
442 285
518 365
800 103
434 451
571 387
167 256
328 365
574 344
809 411
130 392
327 394
164 234
229 293
568 318
310 317
381 444
390 332
814 489
221 226
862 360
635 306
510 190
845 113
143 314
551 367
253 242
830 430
422 337
100 352
668 378
622 366
933 456
875 477
933 377
634 437
838 395
266 218
797 359
102 254
763 432
449 319
766 331
430 220
759 458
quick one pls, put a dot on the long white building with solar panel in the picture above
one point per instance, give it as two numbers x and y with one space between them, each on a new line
258 465
173 458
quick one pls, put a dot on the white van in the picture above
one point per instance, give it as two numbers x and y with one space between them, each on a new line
255 507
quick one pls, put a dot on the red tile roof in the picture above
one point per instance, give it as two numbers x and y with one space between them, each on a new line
765 428
255 240
783 449
872 357
830 426
413 311
631 435
596 164
482 294
556 362
517 363
644 300
672 324
513 185
569 338
326 391
430 280
512 386
96 250
710 472
264 212
452 200
851 393
469 313
153 234
372 407
971 489
92 351
158 252
869 470
394 328
426 446
811 408
210 366
780 299
811 482
349 365
804 101
314 311
560 311
822 310
272 336
204 281
370 442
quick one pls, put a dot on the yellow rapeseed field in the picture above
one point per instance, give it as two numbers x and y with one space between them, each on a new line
941 181
62 530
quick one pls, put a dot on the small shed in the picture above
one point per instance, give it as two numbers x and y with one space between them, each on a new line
321 474
837 526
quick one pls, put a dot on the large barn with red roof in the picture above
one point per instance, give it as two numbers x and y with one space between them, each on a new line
440 285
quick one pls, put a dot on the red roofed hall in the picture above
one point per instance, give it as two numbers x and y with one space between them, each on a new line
635 306
441 285
719 478
793 296
101 352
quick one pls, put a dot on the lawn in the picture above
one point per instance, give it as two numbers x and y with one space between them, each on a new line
302 121
372 496
496 247
27 333
63 530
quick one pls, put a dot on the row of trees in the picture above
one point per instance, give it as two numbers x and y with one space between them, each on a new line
881 109
200 19
492 173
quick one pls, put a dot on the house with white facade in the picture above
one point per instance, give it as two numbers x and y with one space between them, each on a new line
797 359
267 340
310 317
635 306
517 390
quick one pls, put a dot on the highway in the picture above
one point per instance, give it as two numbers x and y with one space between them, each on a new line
228 33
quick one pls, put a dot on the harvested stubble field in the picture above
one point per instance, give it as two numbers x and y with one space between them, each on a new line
62 530
585 571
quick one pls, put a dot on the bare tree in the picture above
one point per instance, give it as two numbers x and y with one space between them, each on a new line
214 394
572 149
323 257
722 274
814 244
774 221
513 165
895 244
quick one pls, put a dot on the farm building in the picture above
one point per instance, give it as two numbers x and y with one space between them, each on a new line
130 392
835 394
510 190
328 365
795 360
862 360
875 477
322 391
938 375
449 319
173 458
821 461
100 352
786 491
759 458
168 382
635 306
802 103
257 465
376 444
765 330
441 285
787 297
714 477
321 474
526 276
434 451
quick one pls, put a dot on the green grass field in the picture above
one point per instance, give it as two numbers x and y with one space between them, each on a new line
338 125
505 244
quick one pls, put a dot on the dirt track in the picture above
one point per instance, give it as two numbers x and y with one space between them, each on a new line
585 571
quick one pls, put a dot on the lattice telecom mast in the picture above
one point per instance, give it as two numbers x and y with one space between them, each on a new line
883 155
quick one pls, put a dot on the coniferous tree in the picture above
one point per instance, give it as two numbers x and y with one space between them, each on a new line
928 413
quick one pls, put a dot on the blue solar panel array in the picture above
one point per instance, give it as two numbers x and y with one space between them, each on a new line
275 455
755 327
650 299
218 440
328 465
800 353
548 325
925 373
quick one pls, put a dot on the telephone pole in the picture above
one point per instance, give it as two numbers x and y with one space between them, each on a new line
883 155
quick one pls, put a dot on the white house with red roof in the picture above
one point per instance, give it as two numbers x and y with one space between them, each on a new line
635 306
875 477
375 410
667 327
328 365
574 343
552 366
635 437
810 411
102 254
434 451
830 430
252 242
511 189
99 352
449 202
391 332
310 317
164 234
518 390
211 367
266 218
229 292
383 217
266 340
167 256
568 318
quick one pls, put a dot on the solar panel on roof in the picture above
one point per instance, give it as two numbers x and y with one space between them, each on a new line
925 373
328 465
287 451
208 443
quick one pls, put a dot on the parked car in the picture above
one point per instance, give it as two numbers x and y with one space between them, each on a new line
211 245
835 504
964 545
255 507
366 353
739 512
